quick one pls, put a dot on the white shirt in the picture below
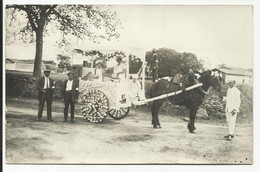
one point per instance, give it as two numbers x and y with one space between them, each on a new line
69 85
118 69
233 99
47 81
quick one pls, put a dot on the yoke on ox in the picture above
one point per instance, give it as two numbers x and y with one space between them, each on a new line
192 99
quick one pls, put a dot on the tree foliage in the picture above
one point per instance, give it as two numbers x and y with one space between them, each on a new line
64 62
135 64
171 61
82 21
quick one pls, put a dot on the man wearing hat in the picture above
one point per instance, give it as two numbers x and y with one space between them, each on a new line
45 86
70 94
232 108
155 66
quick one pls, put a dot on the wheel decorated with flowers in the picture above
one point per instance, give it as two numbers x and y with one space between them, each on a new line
94 106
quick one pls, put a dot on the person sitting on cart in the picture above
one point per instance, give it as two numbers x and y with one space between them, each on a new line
99 71
119 69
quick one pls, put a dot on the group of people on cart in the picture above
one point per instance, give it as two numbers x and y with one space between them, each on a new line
134 91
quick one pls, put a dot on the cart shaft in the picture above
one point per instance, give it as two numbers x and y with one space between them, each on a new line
166 95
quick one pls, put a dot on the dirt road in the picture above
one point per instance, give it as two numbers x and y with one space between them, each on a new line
130 140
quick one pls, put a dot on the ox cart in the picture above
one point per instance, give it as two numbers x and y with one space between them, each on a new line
101 97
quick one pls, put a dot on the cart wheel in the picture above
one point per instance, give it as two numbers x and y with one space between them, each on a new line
94 106
119 114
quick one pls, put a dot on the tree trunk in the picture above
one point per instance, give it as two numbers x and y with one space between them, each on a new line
38 54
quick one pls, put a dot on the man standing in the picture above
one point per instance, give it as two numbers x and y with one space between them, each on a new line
45 86
155 66
232 108
70 95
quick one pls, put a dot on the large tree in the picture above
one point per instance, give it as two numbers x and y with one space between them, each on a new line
82 21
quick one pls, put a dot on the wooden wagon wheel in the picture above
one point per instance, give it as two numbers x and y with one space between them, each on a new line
120 113
94 106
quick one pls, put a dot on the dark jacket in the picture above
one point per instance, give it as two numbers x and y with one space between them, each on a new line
75 91
40 85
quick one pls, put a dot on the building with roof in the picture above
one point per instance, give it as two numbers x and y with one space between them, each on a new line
21 65
240 75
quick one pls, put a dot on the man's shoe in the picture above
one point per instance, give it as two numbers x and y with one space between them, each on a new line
39 119
50 119
227 136
71 121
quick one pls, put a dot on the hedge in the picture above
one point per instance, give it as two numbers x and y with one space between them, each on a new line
25 86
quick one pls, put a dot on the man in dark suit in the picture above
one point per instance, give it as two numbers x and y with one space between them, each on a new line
45 86
70 95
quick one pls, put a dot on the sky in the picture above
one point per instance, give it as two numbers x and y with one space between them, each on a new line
217 34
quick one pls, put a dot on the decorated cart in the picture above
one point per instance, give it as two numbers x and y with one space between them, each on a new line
101 97
111 95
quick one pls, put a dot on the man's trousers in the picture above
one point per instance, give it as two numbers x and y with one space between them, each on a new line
68 101
231 122
45 96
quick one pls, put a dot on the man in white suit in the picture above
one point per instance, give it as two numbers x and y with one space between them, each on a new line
232 108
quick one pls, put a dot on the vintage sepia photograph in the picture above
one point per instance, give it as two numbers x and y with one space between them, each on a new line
134 84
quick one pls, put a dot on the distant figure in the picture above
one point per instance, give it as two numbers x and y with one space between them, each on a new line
155 66
76 72
147 71
45 86
232 108
178 78
140 72
70 94
135 90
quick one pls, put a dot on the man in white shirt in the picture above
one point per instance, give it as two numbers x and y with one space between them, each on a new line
45 86
70 95
232 108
